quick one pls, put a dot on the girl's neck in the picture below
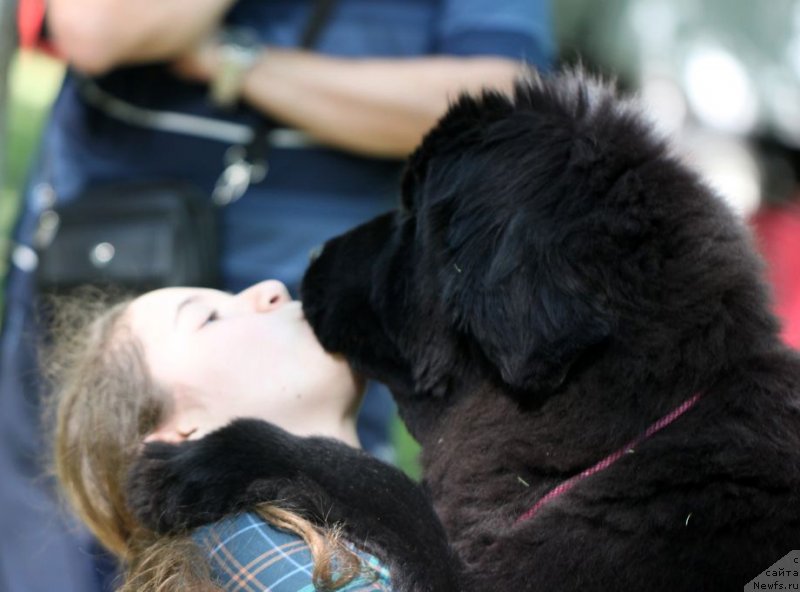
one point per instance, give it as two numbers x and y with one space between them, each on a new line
342 429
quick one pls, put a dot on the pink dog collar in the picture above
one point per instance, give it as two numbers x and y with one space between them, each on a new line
613 457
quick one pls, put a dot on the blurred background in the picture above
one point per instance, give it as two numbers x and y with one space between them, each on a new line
720 77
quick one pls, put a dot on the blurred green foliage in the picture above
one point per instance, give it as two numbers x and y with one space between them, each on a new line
407 450
34 81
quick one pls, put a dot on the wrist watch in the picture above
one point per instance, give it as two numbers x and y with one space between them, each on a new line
238 52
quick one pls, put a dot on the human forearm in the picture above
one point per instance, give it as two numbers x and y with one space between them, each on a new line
96 35
380 107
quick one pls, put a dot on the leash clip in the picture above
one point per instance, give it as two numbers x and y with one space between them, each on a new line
237 177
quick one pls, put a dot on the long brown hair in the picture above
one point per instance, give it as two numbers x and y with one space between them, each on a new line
103 402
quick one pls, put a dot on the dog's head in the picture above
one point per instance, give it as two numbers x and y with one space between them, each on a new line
534 231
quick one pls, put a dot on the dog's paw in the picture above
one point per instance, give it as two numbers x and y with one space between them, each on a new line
175 487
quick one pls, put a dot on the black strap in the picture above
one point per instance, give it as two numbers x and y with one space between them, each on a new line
320 15
256 151
248 164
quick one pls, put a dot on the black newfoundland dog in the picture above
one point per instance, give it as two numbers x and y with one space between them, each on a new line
576 331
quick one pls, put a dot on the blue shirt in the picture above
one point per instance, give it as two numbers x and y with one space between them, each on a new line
85 146
309 194
246 553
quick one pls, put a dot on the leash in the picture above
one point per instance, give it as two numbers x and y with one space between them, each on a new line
611 458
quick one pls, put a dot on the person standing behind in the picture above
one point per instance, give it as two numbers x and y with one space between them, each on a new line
135 106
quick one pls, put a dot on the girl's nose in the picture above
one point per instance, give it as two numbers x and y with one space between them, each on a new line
265 296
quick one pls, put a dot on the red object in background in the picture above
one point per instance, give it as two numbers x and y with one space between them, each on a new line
778 231
30 25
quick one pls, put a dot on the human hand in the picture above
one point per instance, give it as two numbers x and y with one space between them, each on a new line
120 32
201 62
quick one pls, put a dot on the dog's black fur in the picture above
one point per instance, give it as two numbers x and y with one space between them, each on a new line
326 481
554 282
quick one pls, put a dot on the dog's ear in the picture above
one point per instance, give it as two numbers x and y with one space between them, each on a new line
527 307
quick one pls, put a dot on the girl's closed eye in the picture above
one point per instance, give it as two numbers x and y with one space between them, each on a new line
212 316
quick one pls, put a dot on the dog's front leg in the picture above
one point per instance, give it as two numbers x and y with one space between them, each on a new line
174 487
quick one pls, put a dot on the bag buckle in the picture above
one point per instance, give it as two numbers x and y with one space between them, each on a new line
237 177
44 201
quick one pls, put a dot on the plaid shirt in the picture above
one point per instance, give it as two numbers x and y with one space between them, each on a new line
248 554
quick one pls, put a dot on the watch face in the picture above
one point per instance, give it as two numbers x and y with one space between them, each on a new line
243 38
239 49
243 57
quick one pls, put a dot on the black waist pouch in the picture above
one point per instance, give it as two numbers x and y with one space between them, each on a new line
135 236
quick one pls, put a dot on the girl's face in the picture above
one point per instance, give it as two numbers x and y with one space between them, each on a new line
251 354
